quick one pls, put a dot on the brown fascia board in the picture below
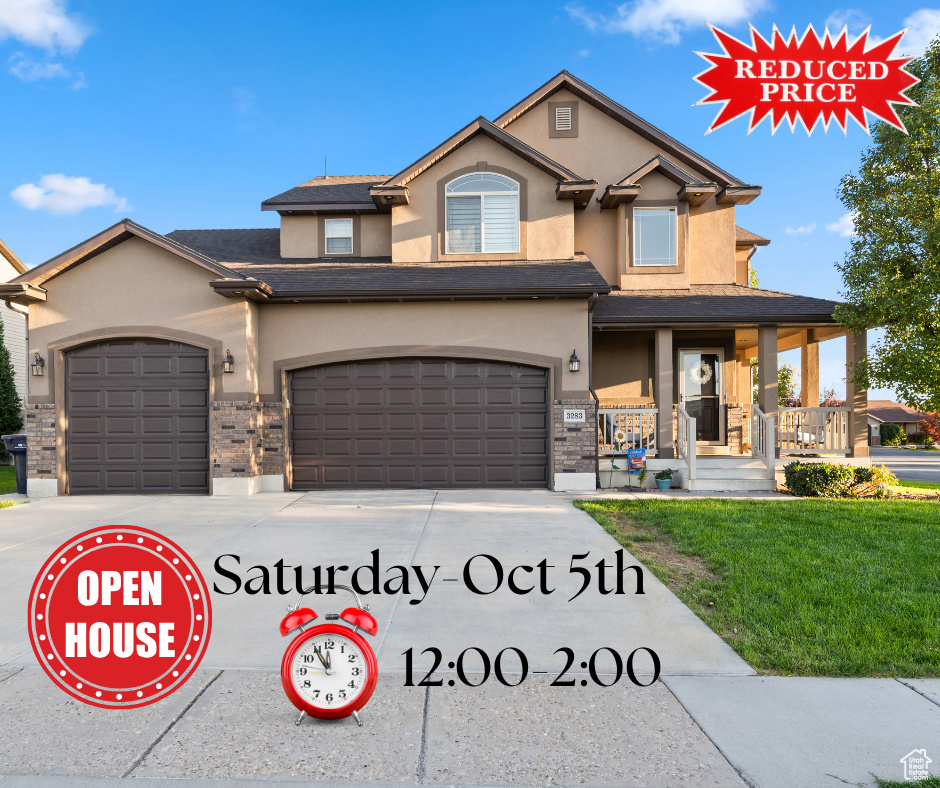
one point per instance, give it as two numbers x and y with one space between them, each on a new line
314 208
252 289
11 258
719 320
579 191
385 197
21 292
482 126
451 294
617 195
738 195
635 123
109 238
663 165
696 194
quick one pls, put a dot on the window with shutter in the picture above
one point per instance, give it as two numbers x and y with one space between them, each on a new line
482 214
563 118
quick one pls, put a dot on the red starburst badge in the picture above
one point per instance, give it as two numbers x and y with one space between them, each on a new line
807 79
119 617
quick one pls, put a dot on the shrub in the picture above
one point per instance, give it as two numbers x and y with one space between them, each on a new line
884 476
819 480
892 435
917 439
931 426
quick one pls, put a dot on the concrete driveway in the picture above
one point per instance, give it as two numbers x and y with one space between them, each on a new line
915 465
232 720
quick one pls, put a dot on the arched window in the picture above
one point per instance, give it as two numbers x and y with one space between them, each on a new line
482 214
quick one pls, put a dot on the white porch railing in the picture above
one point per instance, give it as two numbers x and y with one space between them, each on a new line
619 429
763 445
686 439
814 431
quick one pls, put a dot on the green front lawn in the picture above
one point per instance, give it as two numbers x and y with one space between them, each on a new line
919 485
808 587
929 782
7 480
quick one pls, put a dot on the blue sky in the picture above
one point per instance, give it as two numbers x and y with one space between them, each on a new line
185 116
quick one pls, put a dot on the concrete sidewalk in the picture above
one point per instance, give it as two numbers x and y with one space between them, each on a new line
709 722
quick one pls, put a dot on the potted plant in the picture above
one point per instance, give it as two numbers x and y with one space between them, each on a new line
664 479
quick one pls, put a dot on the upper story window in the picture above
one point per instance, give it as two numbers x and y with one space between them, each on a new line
339 234
482 214
654 236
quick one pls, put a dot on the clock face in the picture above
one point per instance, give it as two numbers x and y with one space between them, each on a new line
329 671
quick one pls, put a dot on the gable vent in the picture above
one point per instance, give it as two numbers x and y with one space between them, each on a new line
563 118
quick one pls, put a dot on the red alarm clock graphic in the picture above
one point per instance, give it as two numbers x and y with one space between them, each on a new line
329 671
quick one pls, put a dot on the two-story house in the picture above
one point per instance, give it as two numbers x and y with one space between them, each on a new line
537 294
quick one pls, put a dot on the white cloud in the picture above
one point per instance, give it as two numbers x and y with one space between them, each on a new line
584 52
856 21
666 19
806 229
42 23
64 194
844 227
33 71
244 101
924 28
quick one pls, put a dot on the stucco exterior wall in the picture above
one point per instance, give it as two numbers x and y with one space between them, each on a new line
137 284
376 235
417 228
741 272
711 244
541 327
299 236
623 368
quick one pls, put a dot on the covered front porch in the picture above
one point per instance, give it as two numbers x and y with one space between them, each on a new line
684 393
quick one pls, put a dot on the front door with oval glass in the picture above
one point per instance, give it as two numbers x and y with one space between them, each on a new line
701 392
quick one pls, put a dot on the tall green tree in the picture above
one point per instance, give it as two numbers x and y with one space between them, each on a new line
10 404
892 273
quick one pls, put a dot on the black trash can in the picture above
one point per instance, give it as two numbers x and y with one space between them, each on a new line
16 445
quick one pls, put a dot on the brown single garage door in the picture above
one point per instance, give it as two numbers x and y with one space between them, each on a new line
419 423
138 418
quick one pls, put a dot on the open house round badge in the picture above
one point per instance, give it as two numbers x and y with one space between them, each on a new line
119 617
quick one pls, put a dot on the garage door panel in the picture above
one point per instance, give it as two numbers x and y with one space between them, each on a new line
419 423
138 418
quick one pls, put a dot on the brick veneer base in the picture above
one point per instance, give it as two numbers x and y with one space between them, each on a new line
247 439
40 442
575 444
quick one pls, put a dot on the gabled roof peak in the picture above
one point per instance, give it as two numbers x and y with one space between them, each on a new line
565 80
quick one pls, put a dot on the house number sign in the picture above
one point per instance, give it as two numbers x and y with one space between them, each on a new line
574 415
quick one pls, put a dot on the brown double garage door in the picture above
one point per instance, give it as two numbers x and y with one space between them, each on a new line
418 422
138 418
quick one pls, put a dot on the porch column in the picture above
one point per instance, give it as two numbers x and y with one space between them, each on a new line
662 392
809 374
767 369
856 398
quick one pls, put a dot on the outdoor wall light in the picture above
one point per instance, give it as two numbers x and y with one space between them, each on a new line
36 368
228 363
574 363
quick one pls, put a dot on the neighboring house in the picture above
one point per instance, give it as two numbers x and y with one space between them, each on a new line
13 317
535 294
906 417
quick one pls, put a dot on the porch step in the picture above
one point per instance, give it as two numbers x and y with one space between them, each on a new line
708 472
729 463
733 485
705 451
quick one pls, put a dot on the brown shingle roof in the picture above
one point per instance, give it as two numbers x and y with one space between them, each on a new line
711 304
895 412
329 190
744 237
256 254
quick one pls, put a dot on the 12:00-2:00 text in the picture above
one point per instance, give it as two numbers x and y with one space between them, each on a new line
477 674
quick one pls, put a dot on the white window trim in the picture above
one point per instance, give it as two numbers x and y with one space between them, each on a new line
482 195
327 236
675 225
